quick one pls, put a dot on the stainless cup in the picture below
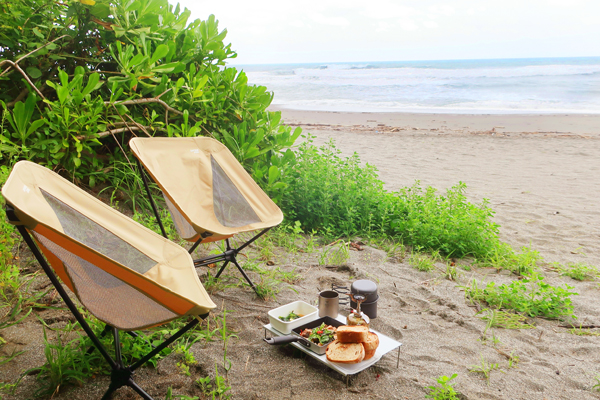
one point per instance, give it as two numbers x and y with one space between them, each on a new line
329 304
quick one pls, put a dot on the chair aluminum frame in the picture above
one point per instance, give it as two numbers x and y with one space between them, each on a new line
121 374
228 256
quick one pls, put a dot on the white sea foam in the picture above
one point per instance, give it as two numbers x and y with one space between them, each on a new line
515 86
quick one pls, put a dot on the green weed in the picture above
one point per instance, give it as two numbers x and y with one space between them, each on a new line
215 389
580 331
421 262
503 319
445 390
484 368
267 288
171 396
335 254
65 363
502 256
530 296
578 271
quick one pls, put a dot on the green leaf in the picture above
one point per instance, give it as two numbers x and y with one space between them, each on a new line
35 125
165 68
33 72
134 6
160 52
100 10
92 84
273 174
37 33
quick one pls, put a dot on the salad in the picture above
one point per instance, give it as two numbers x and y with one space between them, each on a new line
320 335
290 317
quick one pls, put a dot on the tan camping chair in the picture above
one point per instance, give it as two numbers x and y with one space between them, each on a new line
123 273
209 194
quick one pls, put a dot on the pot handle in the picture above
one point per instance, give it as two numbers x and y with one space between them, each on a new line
277 340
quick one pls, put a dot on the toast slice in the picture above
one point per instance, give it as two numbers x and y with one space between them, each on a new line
371 345
345 353
352 334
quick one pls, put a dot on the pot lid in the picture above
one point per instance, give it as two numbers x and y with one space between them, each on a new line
364 287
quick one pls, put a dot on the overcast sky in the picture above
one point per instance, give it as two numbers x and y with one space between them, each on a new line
304 31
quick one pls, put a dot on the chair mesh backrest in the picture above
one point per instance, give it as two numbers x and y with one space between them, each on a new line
86 231
183 227
231 208
105 296
207 187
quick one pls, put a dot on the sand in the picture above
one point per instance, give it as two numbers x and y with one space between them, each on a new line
540 175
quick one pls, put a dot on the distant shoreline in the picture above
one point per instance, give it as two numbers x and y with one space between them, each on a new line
552 124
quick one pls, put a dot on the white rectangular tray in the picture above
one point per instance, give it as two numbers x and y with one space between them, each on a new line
386 344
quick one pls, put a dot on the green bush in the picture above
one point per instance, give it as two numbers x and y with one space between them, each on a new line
339 196
79 78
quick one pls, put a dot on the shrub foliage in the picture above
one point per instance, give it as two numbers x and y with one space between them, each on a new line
339 196
78 78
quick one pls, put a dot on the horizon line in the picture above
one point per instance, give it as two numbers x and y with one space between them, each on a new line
408 61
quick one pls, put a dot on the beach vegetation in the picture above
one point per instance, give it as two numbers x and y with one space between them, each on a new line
502 256
495 318
421 262
171 396
340 196
444 390
335 254
596 387
485 368
578 271
531 296
76 360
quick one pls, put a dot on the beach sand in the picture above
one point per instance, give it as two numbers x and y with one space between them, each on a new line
540 174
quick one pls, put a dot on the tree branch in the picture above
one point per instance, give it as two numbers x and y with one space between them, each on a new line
147 100
113 131
15 66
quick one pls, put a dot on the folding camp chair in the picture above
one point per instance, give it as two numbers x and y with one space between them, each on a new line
123 273
208 193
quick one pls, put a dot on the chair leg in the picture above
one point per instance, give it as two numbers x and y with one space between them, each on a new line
245 275
111 389
101 335
139 390
222 268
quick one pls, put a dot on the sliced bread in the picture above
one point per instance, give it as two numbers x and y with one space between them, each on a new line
352 334
371 345
345 353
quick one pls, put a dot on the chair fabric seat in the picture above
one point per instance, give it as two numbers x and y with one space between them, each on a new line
206 189
125 274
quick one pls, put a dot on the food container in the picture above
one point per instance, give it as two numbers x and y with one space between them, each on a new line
299 307
368 289
295 336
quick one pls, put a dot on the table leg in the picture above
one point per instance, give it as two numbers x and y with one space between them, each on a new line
398 363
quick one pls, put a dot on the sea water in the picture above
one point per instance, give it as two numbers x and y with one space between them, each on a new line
544 85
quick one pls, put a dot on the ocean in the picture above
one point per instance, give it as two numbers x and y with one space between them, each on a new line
500 86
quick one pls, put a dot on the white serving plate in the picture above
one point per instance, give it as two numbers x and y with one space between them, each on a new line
386 344
299 307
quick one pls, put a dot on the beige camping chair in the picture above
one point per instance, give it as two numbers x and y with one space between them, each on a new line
209 194
124 274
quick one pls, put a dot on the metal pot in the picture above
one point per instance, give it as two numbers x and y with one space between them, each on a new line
368 289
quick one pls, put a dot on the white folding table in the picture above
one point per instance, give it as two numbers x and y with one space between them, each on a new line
386 344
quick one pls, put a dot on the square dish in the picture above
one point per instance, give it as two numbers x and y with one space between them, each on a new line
299 307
